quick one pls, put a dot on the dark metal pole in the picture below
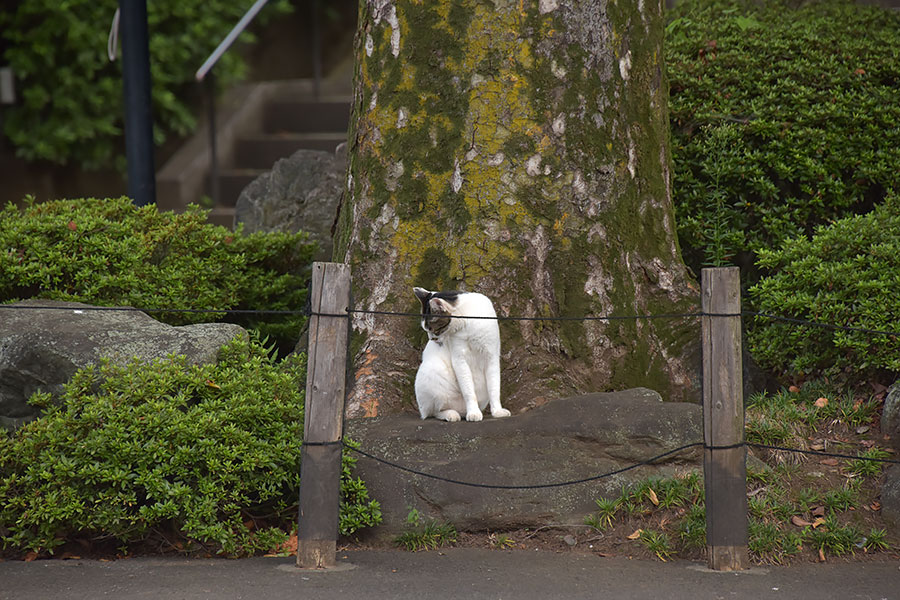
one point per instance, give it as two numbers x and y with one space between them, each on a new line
138 116
317 47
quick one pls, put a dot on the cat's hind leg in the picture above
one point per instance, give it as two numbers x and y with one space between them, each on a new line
436 392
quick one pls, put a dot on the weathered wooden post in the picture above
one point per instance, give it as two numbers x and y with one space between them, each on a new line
724 459
320 458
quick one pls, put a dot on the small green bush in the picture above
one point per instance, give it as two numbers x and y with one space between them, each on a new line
782 119
71 107
207 455
110 253
846 275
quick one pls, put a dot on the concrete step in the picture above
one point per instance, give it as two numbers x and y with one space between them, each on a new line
305 116
232 182
221 215
261 151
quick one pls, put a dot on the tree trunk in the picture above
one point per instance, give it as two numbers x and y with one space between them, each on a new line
519 149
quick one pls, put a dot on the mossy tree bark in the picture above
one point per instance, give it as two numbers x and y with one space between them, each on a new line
520 149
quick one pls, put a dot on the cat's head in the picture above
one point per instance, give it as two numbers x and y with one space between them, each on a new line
436 308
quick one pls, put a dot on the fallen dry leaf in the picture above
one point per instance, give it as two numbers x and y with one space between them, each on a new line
288 546
876 506
72 225
877 387
817 522
653 497
793 389
821 402
821 555
800 521
818 511
831 462
31 556
636 534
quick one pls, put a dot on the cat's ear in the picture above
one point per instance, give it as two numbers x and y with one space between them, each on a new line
440 306
422 294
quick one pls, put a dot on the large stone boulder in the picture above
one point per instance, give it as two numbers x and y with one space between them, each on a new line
890 497
562 440
300 193
40 349
890 415
890 425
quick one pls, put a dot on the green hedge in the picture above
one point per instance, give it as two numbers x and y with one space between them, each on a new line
71 106
111 253
205 456
782 119
847 275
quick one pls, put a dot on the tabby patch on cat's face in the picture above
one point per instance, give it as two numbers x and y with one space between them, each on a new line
435 308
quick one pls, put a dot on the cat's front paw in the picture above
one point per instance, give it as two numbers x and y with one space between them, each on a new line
451 416
500 413
474 416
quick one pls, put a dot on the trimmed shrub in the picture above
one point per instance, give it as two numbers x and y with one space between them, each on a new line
847 275
782 119
71 108
204 457
111 253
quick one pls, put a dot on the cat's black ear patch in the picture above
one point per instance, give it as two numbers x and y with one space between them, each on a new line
424 296
449 297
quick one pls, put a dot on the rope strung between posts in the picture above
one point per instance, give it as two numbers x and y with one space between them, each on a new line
521 487
597 477
821 325
307 312
822 453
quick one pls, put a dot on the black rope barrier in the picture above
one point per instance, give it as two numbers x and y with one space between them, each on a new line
797 321
603 475
227 311
307 311
562 318
823 453
521 487
350 312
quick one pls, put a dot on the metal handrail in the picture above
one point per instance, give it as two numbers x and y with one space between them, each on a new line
210 81
201 74
229 39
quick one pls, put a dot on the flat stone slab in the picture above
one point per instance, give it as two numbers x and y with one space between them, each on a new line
563 440
40 349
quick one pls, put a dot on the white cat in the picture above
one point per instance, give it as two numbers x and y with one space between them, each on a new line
460 370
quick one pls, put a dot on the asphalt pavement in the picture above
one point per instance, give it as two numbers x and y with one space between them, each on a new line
451 573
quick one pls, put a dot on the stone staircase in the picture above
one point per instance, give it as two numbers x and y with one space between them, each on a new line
258 124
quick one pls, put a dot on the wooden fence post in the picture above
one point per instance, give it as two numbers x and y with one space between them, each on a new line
320 458
724 459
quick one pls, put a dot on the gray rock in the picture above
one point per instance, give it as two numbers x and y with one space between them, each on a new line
890 497
41 349
300 193
890 415
564 440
